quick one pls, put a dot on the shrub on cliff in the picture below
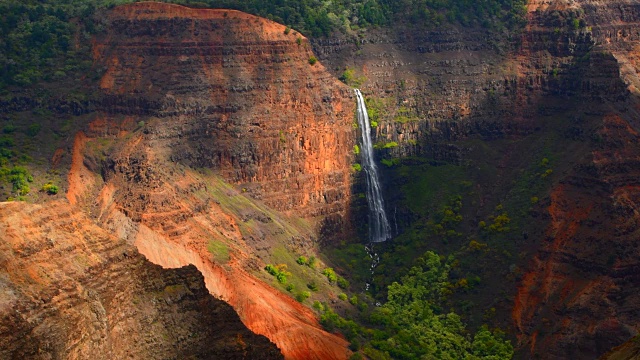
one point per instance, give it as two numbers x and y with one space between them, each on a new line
302 260
302 296
50 189
279 272
342 282
330 274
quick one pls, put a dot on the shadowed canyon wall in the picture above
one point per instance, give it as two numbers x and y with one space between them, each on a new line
440 88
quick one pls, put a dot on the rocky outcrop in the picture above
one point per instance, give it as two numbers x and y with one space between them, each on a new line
70 290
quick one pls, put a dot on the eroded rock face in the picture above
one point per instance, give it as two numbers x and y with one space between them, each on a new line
70 290
216 127
232 92
579 298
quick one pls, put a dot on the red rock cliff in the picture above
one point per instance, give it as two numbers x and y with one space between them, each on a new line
216 127
234 93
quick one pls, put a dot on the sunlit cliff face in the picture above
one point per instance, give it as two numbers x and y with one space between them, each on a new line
223 101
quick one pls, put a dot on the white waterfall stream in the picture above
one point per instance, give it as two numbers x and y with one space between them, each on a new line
379 228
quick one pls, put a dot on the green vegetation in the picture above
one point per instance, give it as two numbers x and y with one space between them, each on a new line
279 271
19 178
342 282
12 171
499 223
310 262
349 77
312 17
317 18
492 14
390 162
413 324
330 274
312 60
40 38
45 40
385 145
313 286
219 250
356 167
33 129
404 115
356 149
302 260
50 189
49 40
375 109
447 219
302 296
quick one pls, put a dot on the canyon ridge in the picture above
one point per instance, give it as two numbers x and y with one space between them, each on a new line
210 201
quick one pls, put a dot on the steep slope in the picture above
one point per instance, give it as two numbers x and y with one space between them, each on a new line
218 132
579 297
70 290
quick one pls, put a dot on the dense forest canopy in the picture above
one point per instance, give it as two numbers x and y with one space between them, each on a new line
48 39
413 322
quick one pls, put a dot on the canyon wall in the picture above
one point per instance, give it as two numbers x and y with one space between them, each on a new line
575 62
213 127
70 290
217 128
232 92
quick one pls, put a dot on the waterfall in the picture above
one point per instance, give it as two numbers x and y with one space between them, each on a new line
379 228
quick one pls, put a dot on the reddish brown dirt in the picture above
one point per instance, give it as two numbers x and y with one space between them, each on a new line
80 178
212 75
264 310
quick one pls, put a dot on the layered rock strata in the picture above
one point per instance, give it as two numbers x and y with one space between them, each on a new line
233 93
70 290
217 127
